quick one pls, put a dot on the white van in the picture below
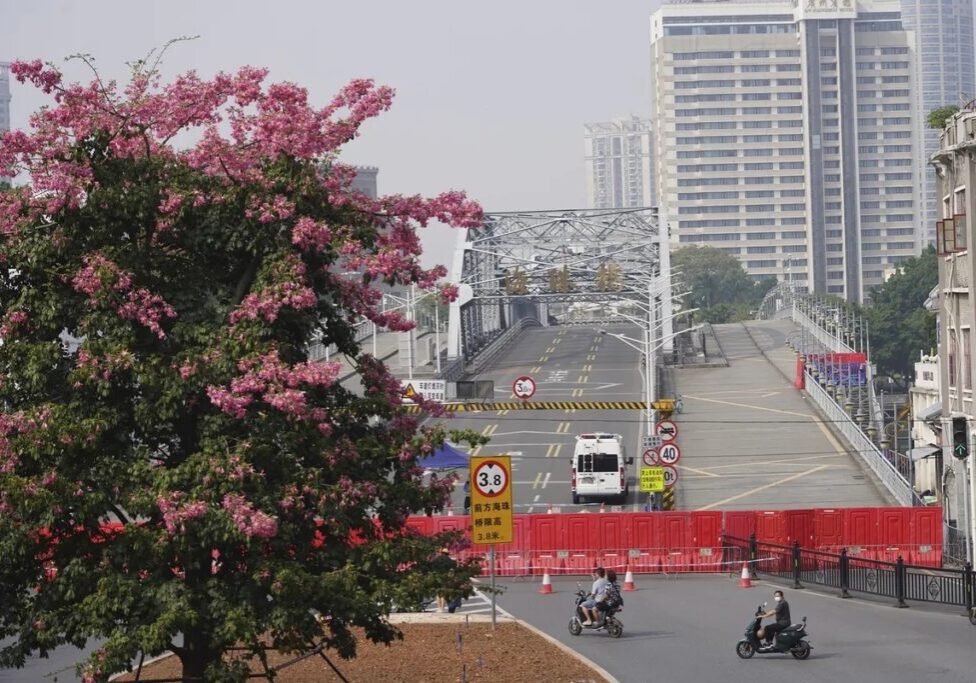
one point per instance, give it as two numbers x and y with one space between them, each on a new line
600 467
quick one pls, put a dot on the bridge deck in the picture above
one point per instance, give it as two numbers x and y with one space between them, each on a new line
753 441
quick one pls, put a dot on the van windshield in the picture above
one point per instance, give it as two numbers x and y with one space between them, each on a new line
597 462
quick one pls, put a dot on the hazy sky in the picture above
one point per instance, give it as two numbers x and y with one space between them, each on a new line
491 97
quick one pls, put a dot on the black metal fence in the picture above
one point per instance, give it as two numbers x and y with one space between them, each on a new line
896 580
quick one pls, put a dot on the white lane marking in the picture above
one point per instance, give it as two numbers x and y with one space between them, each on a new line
546 480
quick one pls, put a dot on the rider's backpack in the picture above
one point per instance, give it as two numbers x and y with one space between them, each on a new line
614 599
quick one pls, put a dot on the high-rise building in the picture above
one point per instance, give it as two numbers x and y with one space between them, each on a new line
617 156
786 134
4 96
947 71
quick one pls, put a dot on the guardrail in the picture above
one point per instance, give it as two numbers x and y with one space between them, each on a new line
497 345
866 449
897 580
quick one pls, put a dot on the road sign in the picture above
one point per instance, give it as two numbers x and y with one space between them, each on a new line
491 499
652 479
667 430
651 441
430 389
669 454
670 476
523 387
650 458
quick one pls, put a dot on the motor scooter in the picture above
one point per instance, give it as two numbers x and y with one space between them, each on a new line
613 626
792 639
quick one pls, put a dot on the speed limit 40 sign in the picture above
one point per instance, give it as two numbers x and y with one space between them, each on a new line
491 499
669 454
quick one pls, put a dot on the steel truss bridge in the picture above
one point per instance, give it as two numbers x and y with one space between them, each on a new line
539 266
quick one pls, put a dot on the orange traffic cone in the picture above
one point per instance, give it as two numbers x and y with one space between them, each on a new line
546 588
629 580
746 580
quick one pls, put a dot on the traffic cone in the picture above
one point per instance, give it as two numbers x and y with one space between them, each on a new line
549 511
629 580
546 588
603 507
746 580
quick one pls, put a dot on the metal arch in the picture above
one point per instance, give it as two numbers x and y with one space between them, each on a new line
535 243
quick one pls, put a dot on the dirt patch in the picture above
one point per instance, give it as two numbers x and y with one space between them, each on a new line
430 653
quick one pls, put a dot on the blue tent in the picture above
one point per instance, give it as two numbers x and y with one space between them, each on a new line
447 457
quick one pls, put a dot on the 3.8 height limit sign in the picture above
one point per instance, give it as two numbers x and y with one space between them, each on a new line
491 499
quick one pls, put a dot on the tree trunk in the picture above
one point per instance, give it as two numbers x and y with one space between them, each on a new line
195 659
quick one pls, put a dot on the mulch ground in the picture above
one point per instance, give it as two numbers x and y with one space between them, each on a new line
430 653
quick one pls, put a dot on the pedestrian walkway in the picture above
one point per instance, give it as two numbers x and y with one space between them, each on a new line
750 440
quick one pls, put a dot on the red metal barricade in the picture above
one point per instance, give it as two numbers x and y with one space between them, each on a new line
771 526
800 526
828 528
691 541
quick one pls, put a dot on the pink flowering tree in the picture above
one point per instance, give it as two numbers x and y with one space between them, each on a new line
175 472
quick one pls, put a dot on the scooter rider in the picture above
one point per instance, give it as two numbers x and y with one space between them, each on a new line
596 594
781 610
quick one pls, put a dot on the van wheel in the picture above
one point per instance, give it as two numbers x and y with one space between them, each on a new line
576 499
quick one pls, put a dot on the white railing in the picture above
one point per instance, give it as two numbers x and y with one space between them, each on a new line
866 450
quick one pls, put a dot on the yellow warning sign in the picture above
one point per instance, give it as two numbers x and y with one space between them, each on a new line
409 392
651 479
491 499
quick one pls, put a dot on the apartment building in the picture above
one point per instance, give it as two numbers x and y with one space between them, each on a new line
955 170
617 162
786 134
946 73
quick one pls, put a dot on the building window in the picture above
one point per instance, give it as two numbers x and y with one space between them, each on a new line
952 359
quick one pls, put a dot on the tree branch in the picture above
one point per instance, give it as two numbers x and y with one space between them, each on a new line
247 279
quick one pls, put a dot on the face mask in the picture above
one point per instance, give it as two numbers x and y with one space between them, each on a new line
778 598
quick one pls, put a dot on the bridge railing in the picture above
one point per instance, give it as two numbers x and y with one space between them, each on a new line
866 450
880 578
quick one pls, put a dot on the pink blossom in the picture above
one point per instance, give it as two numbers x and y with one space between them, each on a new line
249 521
176 512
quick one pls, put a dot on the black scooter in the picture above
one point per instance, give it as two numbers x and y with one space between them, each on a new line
791 639
610 623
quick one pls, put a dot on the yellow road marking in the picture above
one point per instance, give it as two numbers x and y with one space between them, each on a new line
770 485
563 428
553 450
537 368
503 412
587 367
583 379
746 405
785 461
538 478
692 469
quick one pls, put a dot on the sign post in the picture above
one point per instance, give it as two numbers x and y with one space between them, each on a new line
491 508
